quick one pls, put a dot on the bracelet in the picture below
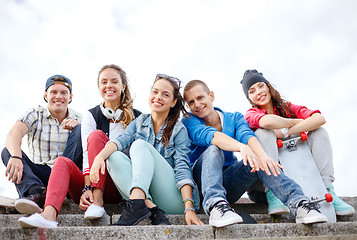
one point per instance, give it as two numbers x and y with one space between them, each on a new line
284 131
86 188
16 157
188 199
189 209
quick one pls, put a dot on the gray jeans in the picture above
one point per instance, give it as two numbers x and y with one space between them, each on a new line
319 143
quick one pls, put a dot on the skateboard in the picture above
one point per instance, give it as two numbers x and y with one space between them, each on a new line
296 158
7 205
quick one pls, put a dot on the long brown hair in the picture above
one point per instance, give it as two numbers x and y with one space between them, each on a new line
281 105
175 111
126 102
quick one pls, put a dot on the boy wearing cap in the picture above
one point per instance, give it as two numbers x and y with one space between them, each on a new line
52 131
215 136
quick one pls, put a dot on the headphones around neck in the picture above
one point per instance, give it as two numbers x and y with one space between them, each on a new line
110 114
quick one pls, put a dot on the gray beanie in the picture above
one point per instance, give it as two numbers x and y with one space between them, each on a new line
250 78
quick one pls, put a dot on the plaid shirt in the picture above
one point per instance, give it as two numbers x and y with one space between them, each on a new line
46 138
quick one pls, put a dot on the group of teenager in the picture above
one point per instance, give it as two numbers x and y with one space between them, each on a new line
161 163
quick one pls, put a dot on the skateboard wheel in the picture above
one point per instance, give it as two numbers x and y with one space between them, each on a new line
303 136
329 197
280 144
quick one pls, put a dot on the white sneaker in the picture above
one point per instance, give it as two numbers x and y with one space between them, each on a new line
26 206
307 213
94 212
223 215
36 221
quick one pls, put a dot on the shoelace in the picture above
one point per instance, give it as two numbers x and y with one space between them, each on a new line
127 208
311 206
223 208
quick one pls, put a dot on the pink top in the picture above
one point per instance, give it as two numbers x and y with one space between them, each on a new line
254 115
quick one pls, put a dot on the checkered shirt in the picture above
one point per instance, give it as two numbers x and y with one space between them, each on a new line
46 138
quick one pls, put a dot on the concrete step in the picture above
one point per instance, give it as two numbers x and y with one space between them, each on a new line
242 205
249 231
72 225
77 219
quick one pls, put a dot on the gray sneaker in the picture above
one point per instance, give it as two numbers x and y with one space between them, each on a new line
308 213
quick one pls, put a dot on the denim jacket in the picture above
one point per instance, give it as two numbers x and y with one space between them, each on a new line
176 153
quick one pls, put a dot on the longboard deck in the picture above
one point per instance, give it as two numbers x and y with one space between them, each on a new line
7 202
300 166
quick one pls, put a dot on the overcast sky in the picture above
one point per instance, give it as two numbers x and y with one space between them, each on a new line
307 49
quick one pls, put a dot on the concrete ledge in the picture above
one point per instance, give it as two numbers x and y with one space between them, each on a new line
250 231
141 232
284 230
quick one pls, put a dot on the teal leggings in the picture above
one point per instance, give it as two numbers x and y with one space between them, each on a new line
149 171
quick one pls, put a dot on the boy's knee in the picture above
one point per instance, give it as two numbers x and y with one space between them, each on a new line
213 153
213 150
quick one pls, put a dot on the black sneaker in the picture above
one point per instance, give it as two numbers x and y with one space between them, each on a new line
33 203
158 217
134 211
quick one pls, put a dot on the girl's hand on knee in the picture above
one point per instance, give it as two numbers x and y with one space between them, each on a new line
192 218
98 165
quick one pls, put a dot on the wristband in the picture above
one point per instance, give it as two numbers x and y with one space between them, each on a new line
284 131
86 188
189 209
16 157
188 199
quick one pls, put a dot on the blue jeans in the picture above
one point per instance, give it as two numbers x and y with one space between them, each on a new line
149 171
229 184
37 174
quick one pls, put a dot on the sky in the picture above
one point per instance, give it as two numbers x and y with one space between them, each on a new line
306 49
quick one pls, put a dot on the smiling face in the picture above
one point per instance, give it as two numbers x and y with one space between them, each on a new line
58 97
161 98
200 101
260 95
110 87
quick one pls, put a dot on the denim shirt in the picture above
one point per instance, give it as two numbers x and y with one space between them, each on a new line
176 153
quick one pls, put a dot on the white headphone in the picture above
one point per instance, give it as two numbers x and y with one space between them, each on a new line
110 114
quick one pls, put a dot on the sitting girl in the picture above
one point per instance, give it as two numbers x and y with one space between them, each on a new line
157 176
272 117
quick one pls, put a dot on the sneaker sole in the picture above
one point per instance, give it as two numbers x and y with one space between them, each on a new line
311 220
28 207
92 217
279 211
139 220
343 213
219 224
24 224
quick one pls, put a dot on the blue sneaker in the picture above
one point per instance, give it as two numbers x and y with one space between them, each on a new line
275 206
341 208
